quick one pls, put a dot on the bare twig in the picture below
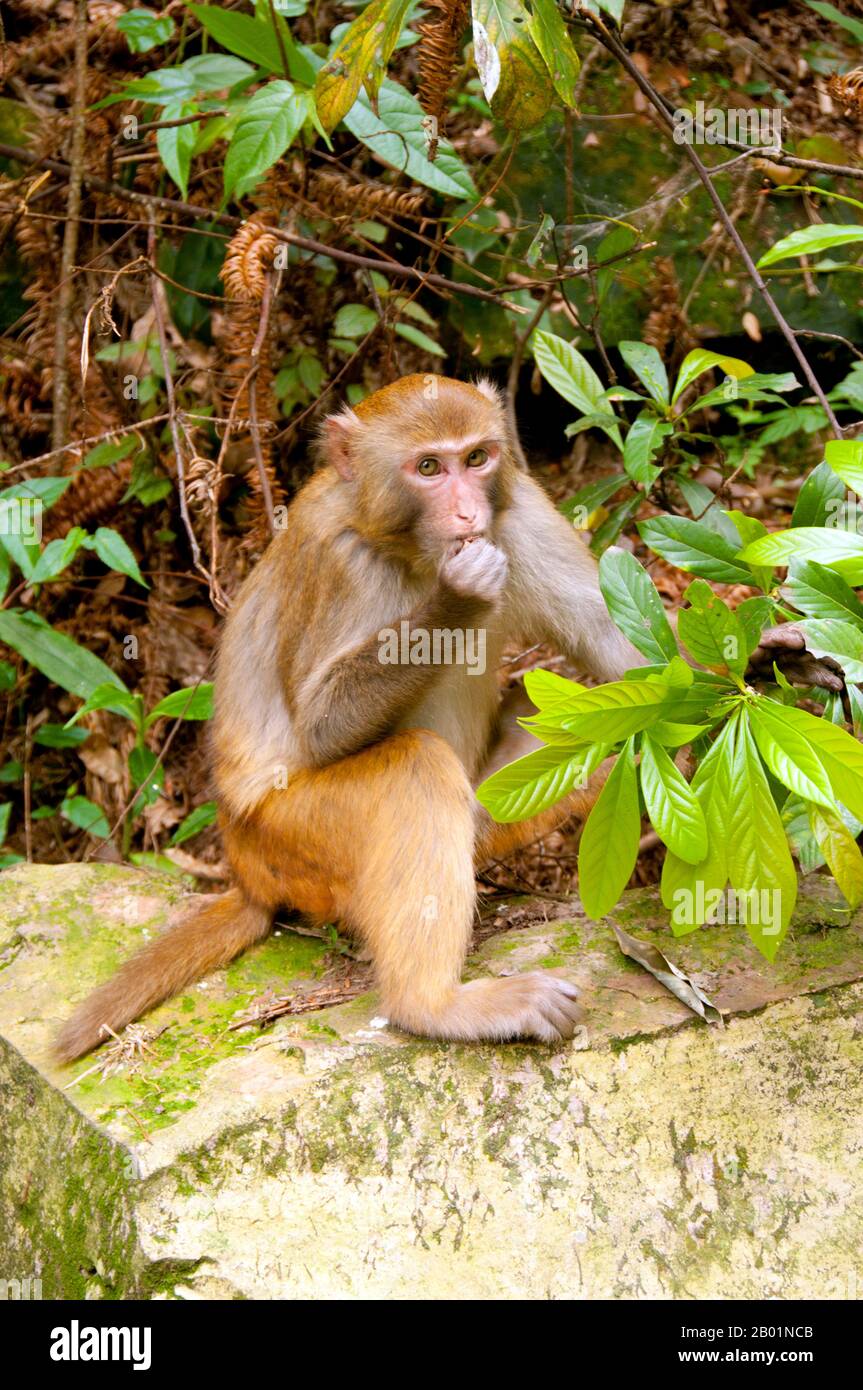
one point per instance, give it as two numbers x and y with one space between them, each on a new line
224 219
159 310
255 430
614 46
60 421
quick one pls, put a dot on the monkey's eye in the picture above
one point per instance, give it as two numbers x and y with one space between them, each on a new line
476 458
428 467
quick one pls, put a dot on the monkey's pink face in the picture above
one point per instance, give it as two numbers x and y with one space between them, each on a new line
454 482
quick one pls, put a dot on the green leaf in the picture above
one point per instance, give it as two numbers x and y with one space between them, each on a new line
58 555
840 754
759 860
419 339
198 76
354 321
115 553
192 702
831 12
619 240
674 811
838 639
551 36
818 497
614 711
267 126
687 890
107 696
795 818
841 550
692 546
789 754
649 367
759 386
821 593
537 781
644 438
366 46
148 777
514 78
754 614
547 689
195 822
572 376
609 841
5 813
712 633
840 850
608 531
634 604
397 137
45 490
56 736
587 499
243 35
671 734
845 457
86 815
71 667
177 143
700 360
811 241
144 29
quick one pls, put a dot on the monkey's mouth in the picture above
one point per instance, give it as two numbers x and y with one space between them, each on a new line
468 537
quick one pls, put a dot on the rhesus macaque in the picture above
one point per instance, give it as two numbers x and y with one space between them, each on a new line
345 782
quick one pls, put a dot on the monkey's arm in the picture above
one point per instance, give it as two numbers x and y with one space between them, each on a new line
358 697
554 586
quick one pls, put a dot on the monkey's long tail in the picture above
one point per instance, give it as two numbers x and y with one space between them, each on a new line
209 938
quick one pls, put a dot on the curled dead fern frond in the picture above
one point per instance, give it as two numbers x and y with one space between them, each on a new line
847 87
203 480
335 192
248 258
244 273
438 54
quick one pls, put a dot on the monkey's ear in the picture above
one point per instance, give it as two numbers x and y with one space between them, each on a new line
488 389
338 438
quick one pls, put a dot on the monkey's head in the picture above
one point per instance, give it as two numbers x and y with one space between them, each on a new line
428 458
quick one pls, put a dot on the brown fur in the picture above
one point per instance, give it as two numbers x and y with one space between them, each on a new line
346 786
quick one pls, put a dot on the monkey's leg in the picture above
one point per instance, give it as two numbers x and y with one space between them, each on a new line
384 841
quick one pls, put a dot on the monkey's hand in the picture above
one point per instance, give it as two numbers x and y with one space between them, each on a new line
477 569
786 646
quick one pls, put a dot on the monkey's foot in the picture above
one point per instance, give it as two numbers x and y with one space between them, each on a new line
534 1005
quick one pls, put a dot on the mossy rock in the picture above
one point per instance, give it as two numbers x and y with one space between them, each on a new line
331 1156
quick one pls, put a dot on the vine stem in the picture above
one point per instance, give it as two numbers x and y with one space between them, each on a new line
616 48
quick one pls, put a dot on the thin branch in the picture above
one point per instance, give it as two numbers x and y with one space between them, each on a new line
254 426
158 291
520 345
61 395
225 219
614 46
